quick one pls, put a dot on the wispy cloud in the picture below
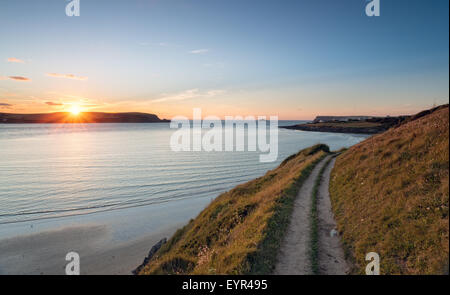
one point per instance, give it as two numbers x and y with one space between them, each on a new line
20 78
67 76
199 51
188 94
3 78
53 104
16 60
4 105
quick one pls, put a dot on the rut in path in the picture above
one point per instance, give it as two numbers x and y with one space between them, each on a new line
294 256
331 257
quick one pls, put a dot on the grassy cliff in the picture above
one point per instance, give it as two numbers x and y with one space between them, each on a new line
241 230
390 195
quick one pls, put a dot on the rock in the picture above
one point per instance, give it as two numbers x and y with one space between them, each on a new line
151 253
333 233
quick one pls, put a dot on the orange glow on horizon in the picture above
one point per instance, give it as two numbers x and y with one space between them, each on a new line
75 110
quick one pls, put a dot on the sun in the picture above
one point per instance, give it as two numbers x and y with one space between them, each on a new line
75 110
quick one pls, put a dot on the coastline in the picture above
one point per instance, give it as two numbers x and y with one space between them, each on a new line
346 130
82 117
44 253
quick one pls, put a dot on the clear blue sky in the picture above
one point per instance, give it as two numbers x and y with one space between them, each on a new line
295 59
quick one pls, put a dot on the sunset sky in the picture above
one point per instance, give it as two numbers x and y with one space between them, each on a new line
295 59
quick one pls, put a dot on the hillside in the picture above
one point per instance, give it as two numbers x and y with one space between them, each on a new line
390 195
241 230
85 117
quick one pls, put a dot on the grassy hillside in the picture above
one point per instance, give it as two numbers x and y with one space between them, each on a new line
241 230
390 195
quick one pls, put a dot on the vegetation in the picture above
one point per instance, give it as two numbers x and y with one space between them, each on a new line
390 195
240 232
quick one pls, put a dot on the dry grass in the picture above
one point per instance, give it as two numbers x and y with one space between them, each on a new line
240 231
390 195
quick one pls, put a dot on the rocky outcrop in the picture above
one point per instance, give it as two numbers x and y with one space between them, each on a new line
152 252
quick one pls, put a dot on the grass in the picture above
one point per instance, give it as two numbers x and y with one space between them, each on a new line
390 195
314 220
240 232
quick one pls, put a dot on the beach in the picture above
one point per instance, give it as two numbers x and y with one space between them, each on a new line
44 253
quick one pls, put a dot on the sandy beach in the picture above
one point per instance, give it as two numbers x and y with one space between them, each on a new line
45 252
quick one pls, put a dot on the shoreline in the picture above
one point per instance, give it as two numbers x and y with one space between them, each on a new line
44 253
345 130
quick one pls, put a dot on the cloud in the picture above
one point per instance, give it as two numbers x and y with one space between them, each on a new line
199 51
16 60
188 94
20 78
5 105
53 104
3 78
67 76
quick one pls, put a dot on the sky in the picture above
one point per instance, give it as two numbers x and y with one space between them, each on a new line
294 59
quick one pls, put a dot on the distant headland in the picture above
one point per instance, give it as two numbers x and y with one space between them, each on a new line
84 117
359 124
350 124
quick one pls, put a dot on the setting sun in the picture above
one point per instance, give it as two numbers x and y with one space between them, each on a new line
75 110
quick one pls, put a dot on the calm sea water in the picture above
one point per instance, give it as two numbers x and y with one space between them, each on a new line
121 174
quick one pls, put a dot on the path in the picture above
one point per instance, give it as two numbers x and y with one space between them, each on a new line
294 256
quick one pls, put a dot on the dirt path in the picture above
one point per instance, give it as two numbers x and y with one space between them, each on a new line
293 258
331 257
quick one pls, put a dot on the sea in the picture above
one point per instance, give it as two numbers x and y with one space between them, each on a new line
124 176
